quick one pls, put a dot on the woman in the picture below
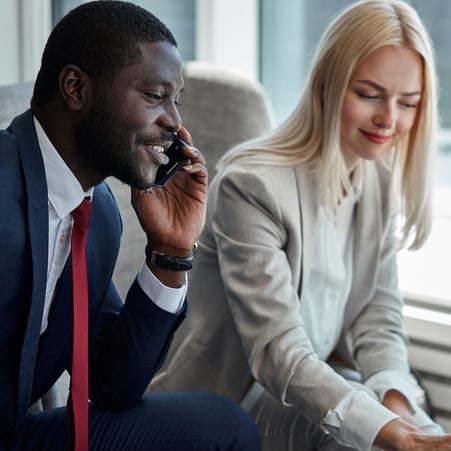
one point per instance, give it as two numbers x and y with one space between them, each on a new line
297 262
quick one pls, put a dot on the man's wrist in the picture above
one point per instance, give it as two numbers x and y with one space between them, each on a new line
171 262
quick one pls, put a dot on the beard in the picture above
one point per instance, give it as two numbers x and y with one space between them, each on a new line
105 146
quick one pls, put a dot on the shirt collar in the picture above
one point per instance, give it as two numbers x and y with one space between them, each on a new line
64 190
357 181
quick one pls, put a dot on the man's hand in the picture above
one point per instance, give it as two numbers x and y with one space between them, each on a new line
173 217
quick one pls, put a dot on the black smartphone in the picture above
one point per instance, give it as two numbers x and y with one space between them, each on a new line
177 160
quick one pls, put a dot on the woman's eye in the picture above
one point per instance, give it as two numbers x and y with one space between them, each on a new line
408 104
368 96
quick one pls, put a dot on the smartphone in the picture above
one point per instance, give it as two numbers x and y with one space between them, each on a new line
177 160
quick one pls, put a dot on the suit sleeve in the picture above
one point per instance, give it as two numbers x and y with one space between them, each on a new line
130 347
377 335
128 340
257 247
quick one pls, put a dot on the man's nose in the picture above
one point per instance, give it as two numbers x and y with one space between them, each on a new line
170 118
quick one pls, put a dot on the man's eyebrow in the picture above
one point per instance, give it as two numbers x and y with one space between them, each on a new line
382 89
156 82
159 82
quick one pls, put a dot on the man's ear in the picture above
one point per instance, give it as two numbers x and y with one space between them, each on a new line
74 87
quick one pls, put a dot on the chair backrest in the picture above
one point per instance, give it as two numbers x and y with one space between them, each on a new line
222 107
14 99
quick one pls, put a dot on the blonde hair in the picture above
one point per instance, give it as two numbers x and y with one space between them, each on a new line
311 134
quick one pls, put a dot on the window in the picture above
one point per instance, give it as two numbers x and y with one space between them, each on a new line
289 36
179 16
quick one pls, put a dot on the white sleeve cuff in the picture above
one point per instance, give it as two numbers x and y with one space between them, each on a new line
167 298
384 381
356 420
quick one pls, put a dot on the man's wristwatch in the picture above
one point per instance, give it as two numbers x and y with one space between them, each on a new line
173 263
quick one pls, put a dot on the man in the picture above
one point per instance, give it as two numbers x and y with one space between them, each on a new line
104 103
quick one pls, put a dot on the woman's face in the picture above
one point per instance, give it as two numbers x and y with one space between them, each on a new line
380 103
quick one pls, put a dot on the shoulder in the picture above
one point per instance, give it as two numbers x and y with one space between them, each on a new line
257 179
8 145
269 193
10 165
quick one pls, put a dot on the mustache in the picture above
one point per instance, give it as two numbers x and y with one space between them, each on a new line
149 140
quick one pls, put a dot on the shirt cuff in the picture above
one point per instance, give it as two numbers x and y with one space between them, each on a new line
167 298
357 420
384 381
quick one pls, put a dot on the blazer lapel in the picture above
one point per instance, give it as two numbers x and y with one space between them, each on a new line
368 232
36 186
307 186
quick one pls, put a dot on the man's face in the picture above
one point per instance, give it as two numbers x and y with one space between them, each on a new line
131 119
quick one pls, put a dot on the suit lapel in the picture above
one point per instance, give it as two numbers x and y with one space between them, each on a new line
367 236
36 186
307 186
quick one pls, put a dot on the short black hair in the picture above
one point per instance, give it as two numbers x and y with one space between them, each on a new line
99 37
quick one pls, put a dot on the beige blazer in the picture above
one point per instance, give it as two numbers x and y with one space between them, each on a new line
244 292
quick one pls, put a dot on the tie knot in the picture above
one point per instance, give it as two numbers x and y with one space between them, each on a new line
82 214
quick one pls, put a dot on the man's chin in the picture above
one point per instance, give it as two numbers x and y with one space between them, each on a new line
142 183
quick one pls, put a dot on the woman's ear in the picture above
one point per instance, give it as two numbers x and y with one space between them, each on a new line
74 87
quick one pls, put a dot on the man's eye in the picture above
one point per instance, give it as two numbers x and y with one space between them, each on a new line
153 96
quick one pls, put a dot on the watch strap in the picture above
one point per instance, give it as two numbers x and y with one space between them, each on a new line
173 263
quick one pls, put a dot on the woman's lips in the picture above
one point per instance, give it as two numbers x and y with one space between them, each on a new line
375 137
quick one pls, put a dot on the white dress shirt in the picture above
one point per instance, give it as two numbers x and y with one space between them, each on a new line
357 418
64 195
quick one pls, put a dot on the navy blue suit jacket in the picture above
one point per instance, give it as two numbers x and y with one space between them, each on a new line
127 341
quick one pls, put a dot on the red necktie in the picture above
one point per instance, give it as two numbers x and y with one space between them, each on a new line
78 396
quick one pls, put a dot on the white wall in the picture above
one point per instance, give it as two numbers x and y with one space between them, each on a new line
24 27
227 34
9 69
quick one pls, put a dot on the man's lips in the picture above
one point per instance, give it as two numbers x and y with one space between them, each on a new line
375 137
158 152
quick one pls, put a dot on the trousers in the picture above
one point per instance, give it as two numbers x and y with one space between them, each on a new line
284 428
161 421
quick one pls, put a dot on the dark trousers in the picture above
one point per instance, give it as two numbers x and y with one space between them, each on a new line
161 421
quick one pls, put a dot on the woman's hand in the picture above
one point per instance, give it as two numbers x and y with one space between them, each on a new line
397 403
399 435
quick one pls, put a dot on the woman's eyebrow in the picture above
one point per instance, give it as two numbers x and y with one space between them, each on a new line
380 88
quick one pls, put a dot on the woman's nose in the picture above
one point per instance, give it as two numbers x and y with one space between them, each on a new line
385 117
